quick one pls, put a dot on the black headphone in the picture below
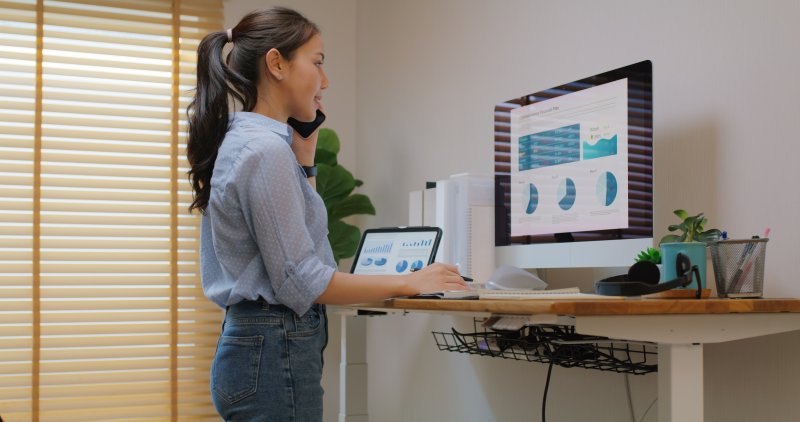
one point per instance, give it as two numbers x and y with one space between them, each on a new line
643 276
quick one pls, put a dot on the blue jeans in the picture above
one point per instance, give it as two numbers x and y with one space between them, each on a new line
268 364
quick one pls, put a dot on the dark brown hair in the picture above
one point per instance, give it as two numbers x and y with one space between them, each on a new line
234 78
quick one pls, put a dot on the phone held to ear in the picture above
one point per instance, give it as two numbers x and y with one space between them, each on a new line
305 129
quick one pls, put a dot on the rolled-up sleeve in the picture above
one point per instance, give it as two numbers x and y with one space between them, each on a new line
273 204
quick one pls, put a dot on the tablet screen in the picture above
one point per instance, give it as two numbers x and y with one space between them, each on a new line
396 250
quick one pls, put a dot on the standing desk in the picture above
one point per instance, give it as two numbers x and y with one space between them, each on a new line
680 327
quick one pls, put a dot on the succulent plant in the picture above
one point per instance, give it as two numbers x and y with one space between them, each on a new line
692 230
650 254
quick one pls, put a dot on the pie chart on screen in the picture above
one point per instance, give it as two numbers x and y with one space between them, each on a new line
566 193
606 188
401 266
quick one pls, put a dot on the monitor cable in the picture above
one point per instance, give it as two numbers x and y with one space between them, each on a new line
648 409
628 395
546 387
630 401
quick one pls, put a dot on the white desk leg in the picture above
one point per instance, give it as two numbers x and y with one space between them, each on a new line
680 382
353 370
343 369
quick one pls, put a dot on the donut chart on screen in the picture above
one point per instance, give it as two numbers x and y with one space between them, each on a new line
566 193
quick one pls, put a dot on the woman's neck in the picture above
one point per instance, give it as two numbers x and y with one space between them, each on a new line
265 107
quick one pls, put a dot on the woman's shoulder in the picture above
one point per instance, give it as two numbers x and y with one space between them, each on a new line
244 153
245 143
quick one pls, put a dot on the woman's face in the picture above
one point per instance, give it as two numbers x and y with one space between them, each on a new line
306 79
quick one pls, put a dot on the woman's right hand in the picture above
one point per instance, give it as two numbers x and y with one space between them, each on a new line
436 278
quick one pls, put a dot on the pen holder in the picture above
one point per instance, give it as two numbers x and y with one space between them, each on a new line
739 267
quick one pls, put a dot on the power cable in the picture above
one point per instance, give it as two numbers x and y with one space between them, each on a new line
648 409
628 394
546 387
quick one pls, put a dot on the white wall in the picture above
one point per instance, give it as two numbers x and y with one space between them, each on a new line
429 72
726 108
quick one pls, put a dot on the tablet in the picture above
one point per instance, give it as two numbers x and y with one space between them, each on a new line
396 250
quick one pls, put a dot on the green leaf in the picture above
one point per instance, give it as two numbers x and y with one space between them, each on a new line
325 157
344 239
681 214
352 205
673 227
334 183
359 182
650 254
328 140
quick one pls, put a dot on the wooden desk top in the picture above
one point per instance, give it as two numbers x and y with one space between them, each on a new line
598 307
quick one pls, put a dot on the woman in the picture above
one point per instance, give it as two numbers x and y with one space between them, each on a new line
265 255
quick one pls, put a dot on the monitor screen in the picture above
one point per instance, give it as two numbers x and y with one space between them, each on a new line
574 165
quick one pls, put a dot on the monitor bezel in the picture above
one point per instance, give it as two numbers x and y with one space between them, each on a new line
640 125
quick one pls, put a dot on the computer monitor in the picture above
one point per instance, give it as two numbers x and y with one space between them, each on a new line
574 172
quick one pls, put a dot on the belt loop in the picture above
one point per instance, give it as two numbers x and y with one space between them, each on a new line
264 304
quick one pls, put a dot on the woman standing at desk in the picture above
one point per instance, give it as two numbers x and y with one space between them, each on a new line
264 252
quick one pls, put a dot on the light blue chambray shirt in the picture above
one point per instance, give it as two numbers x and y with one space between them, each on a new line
265 228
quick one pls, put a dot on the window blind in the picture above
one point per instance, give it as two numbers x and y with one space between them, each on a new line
102 316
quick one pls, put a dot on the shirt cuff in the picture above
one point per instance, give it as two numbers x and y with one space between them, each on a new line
304 283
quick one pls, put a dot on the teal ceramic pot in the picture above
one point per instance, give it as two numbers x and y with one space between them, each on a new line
696 251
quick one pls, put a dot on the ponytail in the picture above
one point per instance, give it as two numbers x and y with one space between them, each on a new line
236 79
208 117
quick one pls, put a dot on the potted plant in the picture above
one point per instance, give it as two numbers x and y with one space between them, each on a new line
692 241
335 184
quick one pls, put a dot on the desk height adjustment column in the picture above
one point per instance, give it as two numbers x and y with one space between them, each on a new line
680 398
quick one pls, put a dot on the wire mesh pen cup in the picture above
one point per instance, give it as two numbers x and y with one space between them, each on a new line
739 267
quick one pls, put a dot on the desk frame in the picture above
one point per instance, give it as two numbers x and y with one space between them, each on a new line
680 327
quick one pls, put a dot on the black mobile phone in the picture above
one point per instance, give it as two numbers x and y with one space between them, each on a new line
305 129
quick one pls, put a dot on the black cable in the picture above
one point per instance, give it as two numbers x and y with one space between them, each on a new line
546 386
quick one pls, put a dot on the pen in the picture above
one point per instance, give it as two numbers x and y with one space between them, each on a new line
737 279
744 274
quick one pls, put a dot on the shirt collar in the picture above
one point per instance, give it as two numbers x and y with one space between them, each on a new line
246 119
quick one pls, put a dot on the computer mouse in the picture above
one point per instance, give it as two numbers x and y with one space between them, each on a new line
507 277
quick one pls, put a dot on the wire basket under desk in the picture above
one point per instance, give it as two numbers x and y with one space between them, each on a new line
558 344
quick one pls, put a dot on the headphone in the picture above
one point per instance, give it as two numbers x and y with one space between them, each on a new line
643 277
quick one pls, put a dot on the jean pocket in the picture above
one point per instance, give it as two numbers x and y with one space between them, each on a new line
234 373
308 324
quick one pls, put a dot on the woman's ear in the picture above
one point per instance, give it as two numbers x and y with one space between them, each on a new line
275 65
